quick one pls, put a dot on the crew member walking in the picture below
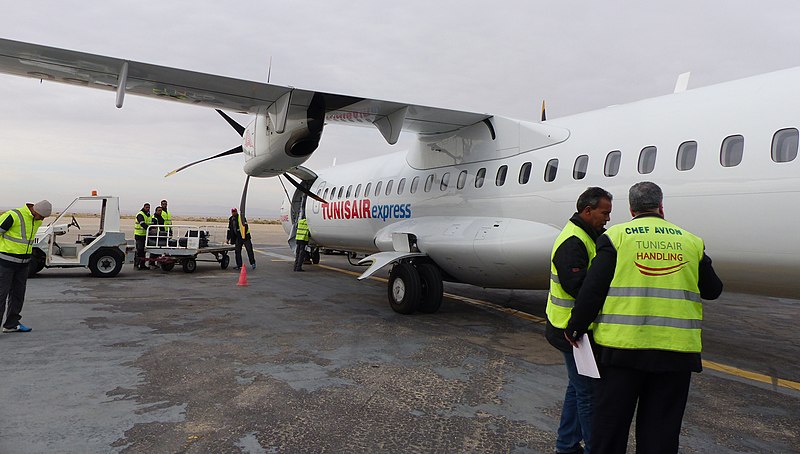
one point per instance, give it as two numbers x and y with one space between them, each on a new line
17 233
644 292
301 238
572 255
142 222
235 237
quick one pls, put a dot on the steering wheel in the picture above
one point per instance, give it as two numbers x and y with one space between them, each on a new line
75 223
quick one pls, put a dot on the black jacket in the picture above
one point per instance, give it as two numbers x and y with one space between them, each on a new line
592 297
234 232
571 260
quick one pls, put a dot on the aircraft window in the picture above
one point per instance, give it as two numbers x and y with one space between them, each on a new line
366 189
349 191
462 179
325 196
429 183
525 173
389 187
579 169
341 189
378 188
500 179
687 155
784 145
358 191
479 177
551 170
612 163
401 185
414 184
445 181
730 154
647 160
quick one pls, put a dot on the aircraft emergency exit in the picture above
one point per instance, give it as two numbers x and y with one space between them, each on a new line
479 198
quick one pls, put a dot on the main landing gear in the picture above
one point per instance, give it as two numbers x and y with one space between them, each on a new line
415 287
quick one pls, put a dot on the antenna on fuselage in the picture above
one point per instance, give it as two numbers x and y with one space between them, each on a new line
544 116
269 71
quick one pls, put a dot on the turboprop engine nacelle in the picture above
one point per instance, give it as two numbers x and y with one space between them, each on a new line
271 149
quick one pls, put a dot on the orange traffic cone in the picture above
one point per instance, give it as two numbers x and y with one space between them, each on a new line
243 277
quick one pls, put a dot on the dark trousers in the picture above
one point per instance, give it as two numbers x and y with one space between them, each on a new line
13 281
659 399
300 255
137 261
248 244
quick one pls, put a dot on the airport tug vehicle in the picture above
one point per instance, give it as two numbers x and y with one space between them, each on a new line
103 252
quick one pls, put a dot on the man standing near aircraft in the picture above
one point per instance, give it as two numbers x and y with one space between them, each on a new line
646 282
17 233
140 226
235 237
572 254
301 238
167 216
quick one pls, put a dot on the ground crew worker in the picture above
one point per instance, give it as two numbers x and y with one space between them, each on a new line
167 216
301 238
235 237
17 233
645 282
572 255
140 226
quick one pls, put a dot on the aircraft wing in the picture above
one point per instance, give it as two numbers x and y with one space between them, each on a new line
219 92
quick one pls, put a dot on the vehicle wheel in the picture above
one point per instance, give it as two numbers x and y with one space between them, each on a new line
37 262
189 265
404 288
432 289
106 262
315 256
224 261
167 266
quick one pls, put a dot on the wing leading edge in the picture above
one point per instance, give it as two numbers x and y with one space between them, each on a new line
219 92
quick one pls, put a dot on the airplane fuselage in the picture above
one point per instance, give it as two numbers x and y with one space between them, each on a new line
738 199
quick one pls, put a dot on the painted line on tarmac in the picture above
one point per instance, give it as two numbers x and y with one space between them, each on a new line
730 370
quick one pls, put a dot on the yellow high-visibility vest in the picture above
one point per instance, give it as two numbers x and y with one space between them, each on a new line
302 230
654 299
20 237
138 230
559 302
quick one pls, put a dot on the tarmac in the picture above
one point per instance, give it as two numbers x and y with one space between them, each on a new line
172 362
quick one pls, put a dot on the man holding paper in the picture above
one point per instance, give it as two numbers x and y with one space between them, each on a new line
643 293
572 254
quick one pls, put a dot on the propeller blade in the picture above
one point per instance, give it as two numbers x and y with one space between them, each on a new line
239 128
224 153
242 205
303 189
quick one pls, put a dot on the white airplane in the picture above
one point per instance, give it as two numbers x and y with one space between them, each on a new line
479 199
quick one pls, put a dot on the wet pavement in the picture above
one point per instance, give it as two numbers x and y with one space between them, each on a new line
317 362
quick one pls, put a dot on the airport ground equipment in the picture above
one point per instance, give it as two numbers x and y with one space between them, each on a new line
103 252
183 243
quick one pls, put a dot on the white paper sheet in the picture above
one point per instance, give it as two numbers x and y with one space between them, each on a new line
584 358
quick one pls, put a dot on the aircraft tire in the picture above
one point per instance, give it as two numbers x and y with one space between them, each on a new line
315 256
432 288
404 288
106 262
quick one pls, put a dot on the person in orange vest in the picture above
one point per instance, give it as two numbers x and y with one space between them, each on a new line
17 234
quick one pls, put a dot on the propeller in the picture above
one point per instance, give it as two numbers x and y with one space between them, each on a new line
241 129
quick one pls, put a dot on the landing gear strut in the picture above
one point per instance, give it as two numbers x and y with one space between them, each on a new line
415 287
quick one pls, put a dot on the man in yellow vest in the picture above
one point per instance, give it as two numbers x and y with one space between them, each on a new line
140 226
301 238
167 217
17 234
643 292
235 237
572 255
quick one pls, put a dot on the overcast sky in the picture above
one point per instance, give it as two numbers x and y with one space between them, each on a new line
500 57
